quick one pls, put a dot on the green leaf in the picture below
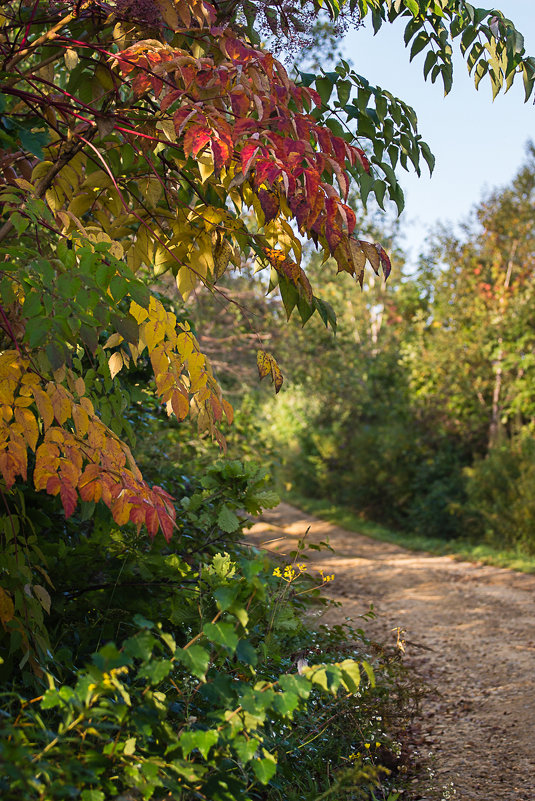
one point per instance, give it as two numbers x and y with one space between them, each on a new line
92 795
20 223
227 520
369 672
202 740
156 670
119 286
196 659
246 653
32 305
222 634
245 748
419 43
51 699
350 674
324 87
264 769
286 703
343 89
412 5
296 684
141 646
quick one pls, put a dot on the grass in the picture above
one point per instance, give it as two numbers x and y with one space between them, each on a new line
458 549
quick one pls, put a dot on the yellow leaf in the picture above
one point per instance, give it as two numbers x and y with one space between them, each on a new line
113 341
168 128
138 312
28 424
71 58
159 360
184 344
86 404
79 386
168 12
206 165
186 281
263 362
372 255
153 333
60 404
115 363
81 420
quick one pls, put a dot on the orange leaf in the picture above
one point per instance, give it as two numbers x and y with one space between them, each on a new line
195 138
121 509
89 486
69 497
229 411
180 405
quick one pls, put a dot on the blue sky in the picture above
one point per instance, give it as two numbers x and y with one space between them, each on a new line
478 144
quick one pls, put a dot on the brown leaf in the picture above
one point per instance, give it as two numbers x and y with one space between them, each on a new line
371 254
7 609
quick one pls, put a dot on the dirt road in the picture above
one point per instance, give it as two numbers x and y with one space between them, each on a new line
470 632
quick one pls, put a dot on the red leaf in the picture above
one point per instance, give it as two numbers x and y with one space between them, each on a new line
339 149
248 152
167 523
246 125
385 261
312 182
314 97
350 218
324 139
221 152
170 98
141 84
333 235
240 102
195 138
151 521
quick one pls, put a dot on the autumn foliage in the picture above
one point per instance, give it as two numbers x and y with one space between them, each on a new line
183 127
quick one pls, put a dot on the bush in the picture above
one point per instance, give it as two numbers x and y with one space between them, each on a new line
501 495
180 668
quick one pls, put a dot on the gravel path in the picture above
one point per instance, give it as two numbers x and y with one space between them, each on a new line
470 633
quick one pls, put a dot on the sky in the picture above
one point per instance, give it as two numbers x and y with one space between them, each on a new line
478 144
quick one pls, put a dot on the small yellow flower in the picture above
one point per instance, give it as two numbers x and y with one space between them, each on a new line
277 572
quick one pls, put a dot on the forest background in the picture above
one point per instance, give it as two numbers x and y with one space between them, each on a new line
155 146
